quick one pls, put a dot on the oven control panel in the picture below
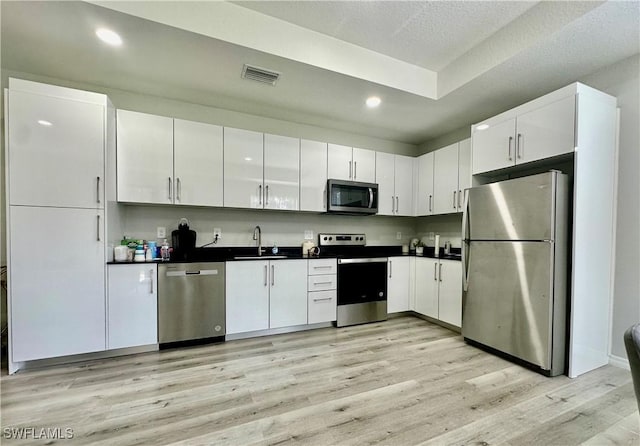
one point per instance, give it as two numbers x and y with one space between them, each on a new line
342 239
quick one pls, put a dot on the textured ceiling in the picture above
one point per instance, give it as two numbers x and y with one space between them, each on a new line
545 47
428 34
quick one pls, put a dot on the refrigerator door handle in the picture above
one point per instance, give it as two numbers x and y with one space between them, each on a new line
465 243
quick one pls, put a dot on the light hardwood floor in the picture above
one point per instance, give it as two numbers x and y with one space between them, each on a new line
400 382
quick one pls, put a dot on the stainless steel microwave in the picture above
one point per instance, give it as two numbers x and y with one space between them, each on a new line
351 197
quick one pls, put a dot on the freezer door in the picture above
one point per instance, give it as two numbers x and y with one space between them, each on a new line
508 304
518 209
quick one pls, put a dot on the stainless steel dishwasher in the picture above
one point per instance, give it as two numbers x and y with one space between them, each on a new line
191 301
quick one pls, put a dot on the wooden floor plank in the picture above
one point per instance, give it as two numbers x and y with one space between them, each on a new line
403 381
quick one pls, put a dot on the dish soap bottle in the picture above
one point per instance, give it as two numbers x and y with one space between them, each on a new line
164 251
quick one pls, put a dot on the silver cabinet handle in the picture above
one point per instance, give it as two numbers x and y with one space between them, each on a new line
265 275
509 148
273 275
318 299
350 170
98 190
393 203
260 194
150 281
170 187
397 205
454 199
390 269
430 199
97 228
440 273
435 271
519 145
355 170
179 190
266 201
459 195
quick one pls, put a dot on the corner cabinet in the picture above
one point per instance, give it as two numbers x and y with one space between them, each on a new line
132 302
439 290
451 176
425 183
56 303
163 160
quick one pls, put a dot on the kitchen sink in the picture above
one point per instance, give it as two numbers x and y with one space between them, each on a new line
258 257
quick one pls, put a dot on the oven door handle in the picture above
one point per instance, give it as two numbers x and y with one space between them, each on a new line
368 260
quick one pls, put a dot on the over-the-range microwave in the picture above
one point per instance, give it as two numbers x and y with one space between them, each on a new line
352 197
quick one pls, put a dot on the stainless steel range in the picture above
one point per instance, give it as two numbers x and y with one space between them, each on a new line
362 280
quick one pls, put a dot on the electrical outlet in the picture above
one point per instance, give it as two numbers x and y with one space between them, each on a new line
308 235
217 233
432 236
161 232
398 235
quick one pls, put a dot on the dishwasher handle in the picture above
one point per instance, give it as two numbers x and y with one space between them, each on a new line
202 272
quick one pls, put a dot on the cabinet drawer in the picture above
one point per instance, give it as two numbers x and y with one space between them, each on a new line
323 282
322 266
322 306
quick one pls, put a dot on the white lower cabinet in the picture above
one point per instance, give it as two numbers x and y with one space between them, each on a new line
398 284
58 299
322 285
438 291
263 294
132 302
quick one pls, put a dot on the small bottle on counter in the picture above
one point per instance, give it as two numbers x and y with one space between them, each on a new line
164 251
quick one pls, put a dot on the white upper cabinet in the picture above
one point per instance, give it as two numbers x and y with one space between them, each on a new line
464 170
425 184
144 158
56 150
281 172
351 164
243 168
339 162
313 176
445 180
198 163
364 165
521 137
394 176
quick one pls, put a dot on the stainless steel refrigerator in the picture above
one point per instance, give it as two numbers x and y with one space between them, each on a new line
515 254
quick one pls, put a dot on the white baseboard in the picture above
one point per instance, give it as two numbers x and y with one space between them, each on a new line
617 361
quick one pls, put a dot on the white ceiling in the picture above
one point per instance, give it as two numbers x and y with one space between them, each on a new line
438 66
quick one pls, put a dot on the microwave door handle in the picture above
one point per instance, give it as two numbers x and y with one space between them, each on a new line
370 198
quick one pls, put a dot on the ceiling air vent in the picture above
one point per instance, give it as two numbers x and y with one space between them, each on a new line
260 74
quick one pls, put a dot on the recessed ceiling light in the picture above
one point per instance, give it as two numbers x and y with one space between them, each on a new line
248 158
44 123
373 101
108 36
482 127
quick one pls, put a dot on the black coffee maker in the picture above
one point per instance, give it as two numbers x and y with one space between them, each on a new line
183 241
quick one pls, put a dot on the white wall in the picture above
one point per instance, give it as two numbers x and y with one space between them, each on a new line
623 81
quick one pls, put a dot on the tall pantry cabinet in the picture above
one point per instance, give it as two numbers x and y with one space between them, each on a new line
55 154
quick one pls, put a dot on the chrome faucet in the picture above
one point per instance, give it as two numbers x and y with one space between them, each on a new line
257 235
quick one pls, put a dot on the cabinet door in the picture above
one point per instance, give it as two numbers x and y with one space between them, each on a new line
57 300
132 305
56 151
425 184
247 296
546 132
144 157
450 292
403 185
243 169
385 177
281 172
198 163
313 176
494 147
398 284
464 170
445 180
364 165
427 287
322 306
288 293
339 162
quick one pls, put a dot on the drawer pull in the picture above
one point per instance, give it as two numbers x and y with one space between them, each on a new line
322 283
318 299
